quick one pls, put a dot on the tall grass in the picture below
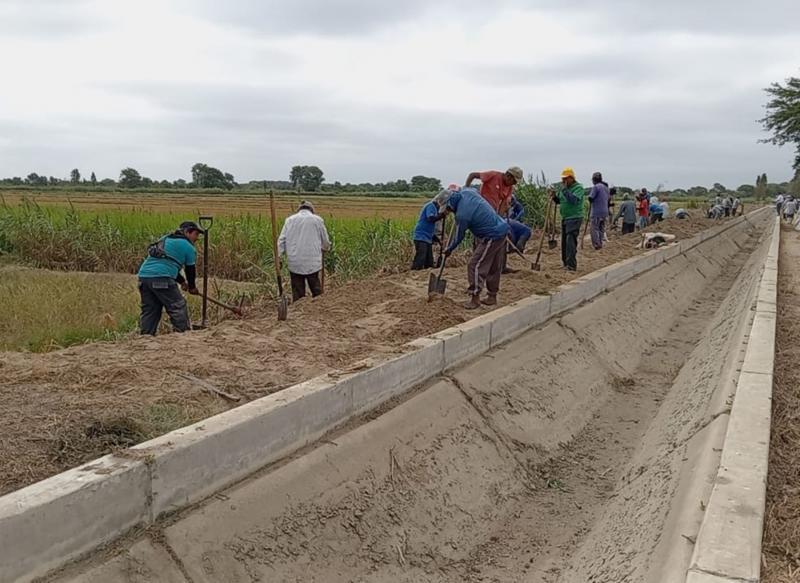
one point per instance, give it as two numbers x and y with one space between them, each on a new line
241 246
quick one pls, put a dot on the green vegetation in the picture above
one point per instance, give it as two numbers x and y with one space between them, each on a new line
783 116
241 246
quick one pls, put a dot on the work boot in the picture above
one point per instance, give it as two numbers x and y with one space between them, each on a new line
491 300
473 303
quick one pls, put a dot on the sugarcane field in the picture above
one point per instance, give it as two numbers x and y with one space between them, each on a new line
558 349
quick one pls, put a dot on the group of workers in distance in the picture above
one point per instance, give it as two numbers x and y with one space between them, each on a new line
725 206
492 214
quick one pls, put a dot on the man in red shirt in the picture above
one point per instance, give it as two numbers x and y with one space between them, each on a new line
497 187
644 209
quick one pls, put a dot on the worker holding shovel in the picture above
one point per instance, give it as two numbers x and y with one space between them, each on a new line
490 230
303 239
569 198
160 276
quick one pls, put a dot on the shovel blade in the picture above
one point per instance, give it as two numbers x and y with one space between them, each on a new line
283 308
436 285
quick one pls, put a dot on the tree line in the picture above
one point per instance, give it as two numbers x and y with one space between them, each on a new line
301 178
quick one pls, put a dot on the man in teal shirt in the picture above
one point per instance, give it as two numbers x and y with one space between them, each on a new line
160 275
570 200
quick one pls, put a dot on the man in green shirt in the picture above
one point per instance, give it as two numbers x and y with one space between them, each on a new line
570 200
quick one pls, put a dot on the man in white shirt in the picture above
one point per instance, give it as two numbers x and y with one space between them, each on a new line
303 238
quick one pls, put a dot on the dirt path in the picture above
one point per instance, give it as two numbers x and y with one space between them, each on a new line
781 548
67 407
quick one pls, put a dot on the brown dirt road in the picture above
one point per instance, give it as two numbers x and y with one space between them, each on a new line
781 550
67 407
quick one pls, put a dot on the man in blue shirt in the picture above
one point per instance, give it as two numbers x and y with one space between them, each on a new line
425 231
515 210
160 276
490 231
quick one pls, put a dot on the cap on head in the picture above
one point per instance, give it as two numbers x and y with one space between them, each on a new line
515 172
597 176
306 205
567 173
190 226
453 187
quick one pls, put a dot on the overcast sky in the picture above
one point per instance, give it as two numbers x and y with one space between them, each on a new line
373 90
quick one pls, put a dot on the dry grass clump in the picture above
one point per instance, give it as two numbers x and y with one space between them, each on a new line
45 310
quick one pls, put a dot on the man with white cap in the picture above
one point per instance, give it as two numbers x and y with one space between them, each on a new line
303 238
497 187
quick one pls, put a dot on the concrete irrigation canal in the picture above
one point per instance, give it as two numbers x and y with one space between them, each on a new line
616 430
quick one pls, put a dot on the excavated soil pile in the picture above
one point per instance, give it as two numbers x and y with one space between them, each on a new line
64 408
559 457
782 524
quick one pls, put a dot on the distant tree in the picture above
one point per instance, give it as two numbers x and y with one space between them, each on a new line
74 176
718 188
783 115
205 176
295 174
698 191
53 181
746 190
761 187
108 182
794 185
130 178
35 180
306 178
93 179
425 184
179 183
17 181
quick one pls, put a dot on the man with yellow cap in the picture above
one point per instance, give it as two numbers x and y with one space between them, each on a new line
497 187
569 198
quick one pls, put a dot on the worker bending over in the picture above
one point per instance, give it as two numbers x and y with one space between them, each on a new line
497 187
627 211
303 239
473 213
160 275
569 198
425 234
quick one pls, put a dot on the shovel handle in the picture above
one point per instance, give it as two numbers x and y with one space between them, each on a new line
550 204
444 258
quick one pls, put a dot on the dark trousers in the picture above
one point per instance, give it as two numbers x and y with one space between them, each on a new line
628 228
158 293
727 211
570 230
423 256
485 266
299 285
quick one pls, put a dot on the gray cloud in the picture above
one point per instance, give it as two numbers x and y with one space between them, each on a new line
685 118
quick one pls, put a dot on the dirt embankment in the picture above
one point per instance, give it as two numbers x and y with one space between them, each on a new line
781 549
67 407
